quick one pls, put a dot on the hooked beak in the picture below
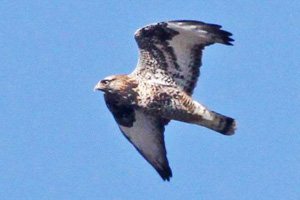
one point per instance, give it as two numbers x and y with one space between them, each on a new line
99 86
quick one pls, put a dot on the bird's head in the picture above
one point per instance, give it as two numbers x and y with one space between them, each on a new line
112 84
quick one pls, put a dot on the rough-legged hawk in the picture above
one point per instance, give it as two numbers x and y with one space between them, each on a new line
161 86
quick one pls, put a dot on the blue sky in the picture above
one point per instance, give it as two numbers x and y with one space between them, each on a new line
59 141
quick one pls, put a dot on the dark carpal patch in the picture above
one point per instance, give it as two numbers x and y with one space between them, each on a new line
153 41
159 31
123 114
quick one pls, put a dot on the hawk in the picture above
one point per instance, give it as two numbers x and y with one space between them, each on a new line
161 86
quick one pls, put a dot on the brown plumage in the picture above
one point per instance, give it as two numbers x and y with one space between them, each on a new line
160 88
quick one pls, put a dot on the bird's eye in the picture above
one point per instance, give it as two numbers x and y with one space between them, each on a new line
105 82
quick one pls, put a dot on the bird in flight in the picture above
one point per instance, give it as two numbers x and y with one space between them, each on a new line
161 86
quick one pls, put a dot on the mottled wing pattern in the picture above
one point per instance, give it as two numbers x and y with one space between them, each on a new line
145 132
170 52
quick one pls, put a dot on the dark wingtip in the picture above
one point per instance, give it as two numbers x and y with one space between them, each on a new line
221 35
165 173
224 36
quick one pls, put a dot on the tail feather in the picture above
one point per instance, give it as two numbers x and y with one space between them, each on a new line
218 122
225 125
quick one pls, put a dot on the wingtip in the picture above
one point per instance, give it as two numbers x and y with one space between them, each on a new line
166 178
224 37
229 43
166 173
220 36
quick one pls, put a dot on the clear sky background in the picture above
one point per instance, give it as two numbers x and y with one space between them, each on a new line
59 141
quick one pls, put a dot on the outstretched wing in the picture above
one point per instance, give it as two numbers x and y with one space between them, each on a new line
145 132
170 52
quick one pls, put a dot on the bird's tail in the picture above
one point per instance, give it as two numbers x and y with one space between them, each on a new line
220 123
215 121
